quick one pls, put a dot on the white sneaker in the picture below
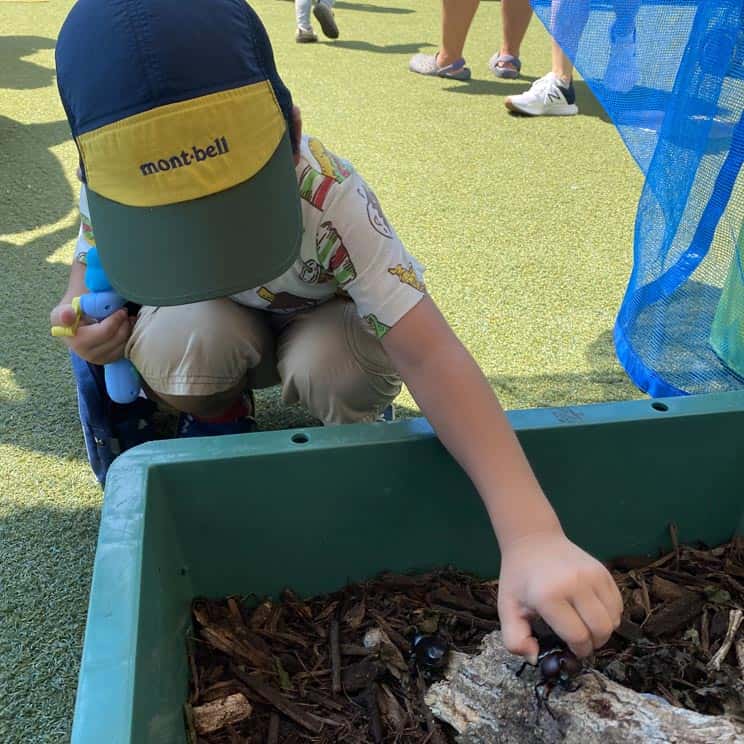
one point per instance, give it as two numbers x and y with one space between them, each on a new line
622 68
546 97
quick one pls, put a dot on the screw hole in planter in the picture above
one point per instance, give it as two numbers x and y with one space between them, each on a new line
300 438
658 406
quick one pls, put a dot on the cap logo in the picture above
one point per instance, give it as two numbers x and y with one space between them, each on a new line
194 155
185 150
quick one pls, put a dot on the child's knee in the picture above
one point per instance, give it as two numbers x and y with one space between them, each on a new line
338 370
197 350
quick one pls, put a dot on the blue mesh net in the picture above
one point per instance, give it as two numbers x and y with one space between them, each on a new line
671 77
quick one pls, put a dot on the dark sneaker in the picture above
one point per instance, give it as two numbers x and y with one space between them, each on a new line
305 36
190 426
244 423
388 415
326 20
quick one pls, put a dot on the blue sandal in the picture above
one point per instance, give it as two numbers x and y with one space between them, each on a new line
426 64
497 62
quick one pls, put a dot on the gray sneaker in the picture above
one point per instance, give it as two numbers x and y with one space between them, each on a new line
325 18
305 36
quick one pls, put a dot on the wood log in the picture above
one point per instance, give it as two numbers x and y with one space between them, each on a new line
217 714
485 701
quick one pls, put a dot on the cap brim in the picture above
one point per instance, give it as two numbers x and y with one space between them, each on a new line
197 250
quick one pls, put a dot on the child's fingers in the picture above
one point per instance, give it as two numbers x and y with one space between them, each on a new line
62 315
113 349
94 341
610 597
595 616
567 623
516 631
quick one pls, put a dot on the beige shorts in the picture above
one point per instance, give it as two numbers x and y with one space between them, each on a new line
197 358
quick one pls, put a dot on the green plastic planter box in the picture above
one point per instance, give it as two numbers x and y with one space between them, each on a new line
316 508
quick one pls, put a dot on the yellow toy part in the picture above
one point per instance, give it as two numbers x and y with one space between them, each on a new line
69 331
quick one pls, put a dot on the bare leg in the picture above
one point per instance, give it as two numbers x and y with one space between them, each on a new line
515 18
457 15
562 67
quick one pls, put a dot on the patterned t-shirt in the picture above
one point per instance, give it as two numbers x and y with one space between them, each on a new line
348 248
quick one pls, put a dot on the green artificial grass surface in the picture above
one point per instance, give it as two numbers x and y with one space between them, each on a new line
525 226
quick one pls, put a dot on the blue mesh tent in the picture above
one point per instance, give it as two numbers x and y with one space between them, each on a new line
680 328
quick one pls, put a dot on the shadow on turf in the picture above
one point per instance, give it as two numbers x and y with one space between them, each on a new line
492 87
368 8
34 190
365 46
588 104
17 73
43 417
606 381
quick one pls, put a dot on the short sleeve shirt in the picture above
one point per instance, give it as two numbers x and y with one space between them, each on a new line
348 248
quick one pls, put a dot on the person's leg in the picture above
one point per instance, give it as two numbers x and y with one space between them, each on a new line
567 21
625 17
201 358
332 362
305 31
553 94
326 18
515 19
622 71
302 12
457 15
562 65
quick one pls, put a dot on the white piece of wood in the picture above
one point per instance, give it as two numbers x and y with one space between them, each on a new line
215 715
735 619
484 700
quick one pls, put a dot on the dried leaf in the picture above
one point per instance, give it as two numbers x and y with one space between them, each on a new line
284 681
673 616
716 595
354 616
261 615
391 709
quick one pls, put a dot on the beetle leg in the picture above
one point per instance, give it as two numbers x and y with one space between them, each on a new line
550 710
542 700
603 686
522 668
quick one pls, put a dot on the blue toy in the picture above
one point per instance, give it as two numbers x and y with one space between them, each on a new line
122 380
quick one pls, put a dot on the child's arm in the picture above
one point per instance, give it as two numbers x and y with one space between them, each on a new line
98 343
542 571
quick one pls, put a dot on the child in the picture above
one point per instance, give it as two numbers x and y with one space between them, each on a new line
323 12
260 257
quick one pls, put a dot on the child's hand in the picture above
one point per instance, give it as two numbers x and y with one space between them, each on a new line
545 574
97 343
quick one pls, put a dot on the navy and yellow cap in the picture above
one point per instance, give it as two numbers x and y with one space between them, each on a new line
182 124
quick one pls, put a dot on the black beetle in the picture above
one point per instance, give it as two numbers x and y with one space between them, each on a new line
429 652
557 666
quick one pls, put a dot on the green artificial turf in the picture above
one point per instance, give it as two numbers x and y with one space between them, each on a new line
525 226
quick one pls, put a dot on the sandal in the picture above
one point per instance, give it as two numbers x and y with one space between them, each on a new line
498 62
426 64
